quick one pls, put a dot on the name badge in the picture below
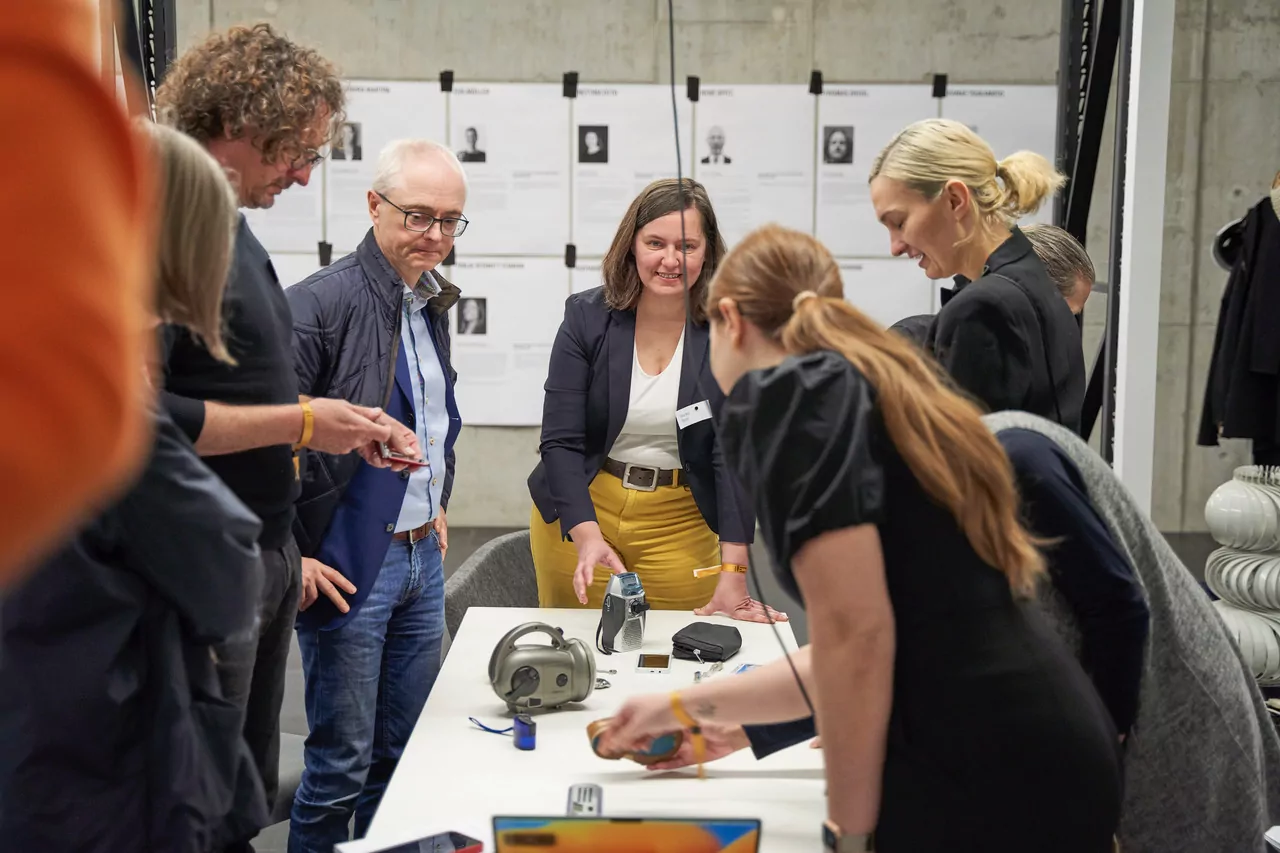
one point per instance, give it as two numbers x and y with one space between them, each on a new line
696 413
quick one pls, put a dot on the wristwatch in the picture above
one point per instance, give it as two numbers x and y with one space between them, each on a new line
835 841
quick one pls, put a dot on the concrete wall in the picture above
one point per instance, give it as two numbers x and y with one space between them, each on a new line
1223 150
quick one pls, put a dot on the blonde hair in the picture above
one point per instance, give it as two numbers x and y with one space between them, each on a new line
788 285
198 221
1062 255
927 154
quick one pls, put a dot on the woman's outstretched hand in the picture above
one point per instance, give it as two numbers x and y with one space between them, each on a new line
732 599
742 607
593 551
639 721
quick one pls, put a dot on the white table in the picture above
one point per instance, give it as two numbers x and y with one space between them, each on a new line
454 776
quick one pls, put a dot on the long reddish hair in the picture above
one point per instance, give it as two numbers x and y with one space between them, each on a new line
938 432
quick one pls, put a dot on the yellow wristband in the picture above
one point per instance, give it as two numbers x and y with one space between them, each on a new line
685 719
308 423
723 567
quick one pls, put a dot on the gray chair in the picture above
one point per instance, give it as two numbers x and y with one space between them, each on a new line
290 775
498 574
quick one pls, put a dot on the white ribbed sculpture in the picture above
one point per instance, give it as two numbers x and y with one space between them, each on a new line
1243 515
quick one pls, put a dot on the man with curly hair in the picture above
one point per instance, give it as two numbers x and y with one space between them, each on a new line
265 108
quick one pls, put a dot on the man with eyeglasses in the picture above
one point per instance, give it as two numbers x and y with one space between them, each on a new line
373 328
264 107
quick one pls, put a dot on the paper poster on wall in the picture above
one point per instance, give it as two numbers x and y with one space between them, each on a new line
514 142
1010 118
623 141
503 327
585 275
854 124
754 151
294 222
887 290
378 112
292 267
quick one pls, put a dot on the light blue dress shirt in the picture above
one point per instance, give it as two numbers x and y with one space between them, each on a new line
431 417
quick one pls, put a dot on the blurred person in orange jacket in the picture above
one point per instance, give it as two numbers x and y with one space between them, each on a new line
76 225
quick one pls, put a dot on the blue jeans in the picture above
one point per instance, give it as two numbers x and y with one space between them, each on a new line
366 683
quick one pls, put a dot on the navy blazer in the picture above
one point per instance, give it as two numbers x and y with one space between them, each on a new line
588 391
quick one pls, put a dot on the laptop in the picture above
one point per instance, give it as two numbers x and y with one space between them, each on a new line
625 835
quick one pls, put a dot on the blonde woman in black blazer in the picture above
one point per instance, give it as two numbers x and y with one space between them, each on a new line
630 477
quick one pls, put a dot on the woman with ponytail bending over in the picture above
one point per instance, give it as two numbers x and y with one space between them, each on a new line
1004 334
951 716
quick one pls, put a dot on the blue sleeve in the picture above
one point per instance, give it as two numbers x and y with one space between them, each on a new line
1087 568
775 737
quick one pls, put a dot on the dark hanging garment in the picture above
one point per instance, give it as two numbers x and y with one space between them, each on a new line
1242 397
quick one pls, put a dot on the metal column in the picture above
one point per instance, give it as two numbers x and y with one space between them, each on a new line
1150 80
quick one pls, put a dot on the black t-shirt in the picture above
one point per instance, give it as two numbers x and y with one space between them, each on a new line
258 329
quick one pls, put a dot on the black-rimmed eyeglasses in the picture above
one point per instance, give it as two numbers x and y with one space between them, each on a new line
450 226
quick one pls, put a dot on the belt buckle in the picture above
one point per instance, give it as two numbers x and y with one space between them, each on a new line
628 484
418 534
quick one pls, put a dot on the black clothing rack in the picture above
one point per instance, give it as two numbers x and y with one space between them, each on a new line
1095 34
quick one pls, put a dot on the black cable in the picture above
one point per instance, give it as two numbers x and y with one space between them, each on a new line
688 320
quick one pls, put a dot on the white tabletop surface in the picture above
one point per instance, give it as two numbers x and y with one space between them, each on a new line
453 776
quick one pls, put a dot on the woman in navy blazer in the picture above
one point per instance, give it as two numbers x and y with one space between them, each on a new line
630 477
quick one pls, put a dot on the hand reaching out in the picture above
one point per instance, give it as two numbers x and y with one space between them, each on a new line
318 578
593 551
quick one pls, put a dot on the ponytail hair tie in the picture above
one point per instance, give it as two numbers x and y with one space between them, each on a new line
801 297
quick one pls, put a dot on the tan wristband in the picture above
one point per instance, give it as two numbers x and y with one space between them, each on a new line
733 568
308 423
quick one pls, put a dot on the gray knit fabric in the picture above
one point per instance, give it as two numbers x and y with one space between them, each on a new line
1202 769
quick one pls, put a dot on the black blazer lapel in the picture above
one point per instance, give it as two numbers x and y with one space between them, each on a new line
621 346
696 338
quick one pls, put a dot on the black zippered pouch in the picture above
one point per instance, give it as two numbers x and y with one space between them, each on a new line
706 642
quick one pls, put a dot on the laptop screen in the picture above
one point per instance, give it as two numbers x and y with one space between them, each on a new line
625 835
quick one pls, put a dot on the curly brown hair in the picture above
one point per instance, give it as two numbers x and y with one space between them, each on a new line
251 81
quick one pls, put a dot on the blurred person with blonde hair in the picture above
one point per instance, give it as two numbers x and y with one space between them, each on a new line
891 511
74 427
114 730
1004 335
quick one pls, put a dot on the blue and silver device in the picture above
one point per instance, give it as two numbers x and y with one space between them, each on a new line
622 615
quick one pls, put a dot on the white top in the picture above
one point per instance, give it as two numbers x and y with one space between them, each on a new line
649 435
484 774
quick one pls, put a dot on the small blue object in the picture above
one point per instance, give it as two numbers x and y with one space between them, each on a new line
526 732
746 667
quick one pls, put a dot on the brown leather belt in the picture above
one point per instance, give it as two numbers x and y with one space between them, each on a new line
641 478
417 534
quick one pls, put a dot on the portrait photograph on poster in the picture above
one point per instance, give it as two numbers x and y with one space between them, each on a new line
837 145
348 146
471 315
593 143
470 150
